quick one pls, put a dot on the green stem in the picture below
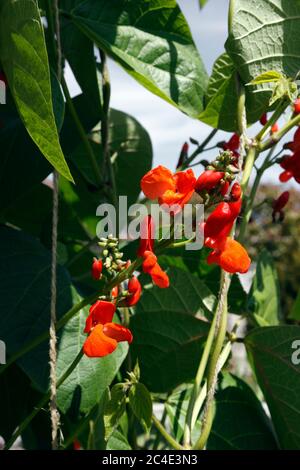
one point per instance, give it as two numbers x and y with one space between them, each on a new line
250 201
213 364
198 380
249 164
199 150
43 401
88 147
275 138
173 443
275 116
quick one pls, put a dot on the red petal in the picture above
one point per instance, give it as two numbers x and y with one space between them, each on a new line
98 344
157 181
117 332
159 277
102 312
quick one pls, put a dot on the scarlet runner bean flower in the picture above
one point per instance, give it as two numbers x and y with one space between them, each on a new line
264 119
297 106
209 180
104 335
279 204
150 264
97 269
229 254
134 290
233 257
169 188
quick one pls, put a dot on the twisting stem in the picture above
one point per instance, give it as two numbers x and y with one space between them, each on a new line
54 413
43 402
213 364
198 381
173 443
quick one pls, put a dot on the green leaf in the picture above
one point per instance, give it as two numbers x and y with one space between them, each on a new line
141 404
176 407
19 151
221 96
295 312
25 268
267 77
202 3
262 38
168 338
14 393
276 365
151 40
114 409
39 199
264 297
78 50
240 422
186 295
131 150
117 441
24 58
284 88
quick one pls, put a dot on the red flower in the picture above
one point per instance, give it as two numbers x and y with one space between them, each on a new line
147 235
236 192
294 146
233 258
297 106
264 119
220 222
208 180
104 335
291 166
274 128
96 269
135 290
279 204
150 264
160 183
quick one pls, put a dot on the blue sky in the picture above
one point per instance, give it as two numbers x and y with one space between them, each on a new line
167 126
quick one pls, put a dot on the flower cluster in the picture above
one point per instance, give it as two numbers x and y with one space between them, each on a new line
291 163
168 188
216 187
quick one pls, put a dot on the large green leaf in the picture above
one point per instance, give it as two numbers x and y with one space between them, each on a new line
24 58
25 299
168 336
78 50
264 297
131 150
278 373
151 40
186 295
240 422
221 96
19 151
264 37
